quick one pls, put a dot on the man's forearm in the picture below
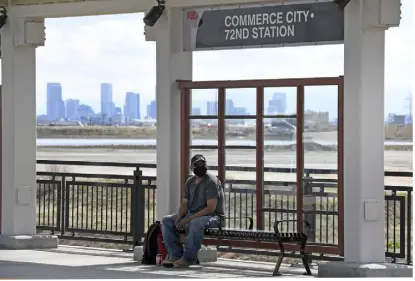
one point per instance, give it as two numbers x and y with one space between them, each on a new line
182 210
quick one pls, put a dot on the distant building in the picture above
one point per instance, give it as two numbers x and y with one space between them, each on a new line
55 105
212 108
229 107
196 111
86 114
396 119
107 104
132 107
118 118
152 110
72 107
316 120
117 110
278 104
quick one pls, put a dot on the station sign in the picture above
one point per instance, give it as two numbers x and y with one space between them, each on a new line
270 25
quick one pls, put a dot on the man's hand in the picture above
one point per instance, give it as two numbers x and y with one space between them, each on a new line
182 223
178 219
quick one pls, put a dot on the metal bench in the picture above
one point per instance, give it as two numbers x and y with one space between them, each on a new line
275 236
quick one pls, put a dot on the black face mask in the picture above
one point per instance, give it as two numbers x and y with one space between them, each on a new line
199 169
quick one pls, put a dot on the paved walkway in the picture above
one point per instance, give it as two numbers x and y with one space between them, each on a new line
69 262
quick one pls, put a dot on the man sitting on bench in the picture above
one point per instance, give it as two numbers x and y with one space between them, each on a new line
202 207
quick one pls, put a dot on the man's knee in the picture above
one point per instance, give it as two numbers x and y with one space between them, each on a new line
168 220
198 224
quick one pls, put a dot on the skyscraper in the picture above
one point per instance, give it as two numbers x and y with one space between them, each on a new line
55 106
152 110
107 105
212 108
229 107
196 111
278 104
72 107
132 106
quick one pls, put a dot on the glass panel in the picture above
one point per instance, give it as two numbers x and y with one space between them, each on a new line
204 132
320 154
240 132
280 131
204 102
240 102
240 184
280 183
279 101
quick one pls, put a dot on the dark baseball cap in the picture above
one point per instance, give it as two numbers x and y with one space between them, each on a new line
196 158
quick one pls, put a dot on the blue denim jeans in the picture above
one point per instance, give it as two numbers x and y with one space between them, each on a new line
195 231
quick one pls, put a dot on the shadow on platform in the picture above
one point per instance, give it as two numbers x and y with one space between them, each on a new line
84 263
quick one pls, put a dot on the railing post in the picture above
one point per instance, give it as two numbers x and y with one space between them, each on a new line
137 208
61 206
309 205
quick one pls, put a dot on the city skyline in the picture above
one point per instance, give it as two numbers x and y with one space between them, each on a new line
117 59
129 113
73 110
107 107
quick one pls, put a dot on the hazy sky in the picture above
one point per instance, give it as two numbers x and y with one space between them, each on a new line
82 52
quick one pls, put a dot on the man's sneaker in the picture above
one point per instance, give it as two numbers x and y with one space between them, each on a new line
182 263
169 262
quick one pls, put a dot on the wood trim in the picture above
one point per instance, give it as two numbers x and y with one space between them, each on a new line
300 156
293 82
185 137
221 135
259 158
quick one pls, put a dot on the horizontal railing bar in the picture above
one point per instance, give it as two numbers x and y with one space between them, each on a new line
54 182
47 227
93 231
321 212
149 178
82 175
291 211
100 184
94 239
97 163
395 255
398 188
149 187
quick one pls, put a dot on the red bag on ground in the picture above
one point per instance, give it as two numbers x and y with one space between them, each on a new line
161 250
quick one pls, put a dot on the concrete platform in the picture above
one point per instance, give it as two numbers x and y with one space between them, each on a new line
206 254
72 262
352 270
21 242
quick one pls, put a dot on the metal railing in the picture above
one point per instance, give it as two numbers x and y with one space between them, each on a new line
120 207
